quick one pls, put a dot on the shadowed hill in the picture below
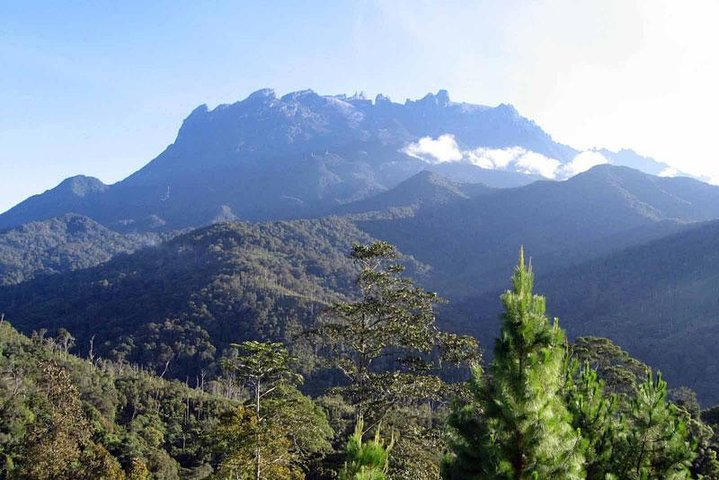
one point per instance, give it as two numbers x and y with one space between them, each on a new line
471 244
424 190
185 300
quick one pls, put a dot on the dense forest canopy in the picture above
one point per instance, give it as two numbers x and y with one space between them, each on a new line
416 402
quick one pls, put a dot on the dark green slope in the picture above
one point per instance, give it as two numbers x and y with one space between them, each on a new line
658 300
424 190
65 243
185 300
471 244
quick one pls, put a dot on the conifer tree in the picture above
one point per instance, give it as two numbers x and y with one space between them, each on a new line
595 415
519 427
657 444
366 460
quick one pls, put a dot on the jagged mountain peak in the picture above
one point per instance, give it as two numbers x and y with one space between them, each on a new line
263 93
268 157
440 99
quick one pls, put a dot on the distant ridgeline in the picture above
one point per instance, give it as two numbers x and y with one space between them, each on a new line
269 158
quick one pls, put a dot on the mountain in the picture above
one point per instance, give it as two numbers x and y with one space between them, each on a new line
658 300
423 190
65 243
185 300
629 158
74 194
472 244
594 238
270 157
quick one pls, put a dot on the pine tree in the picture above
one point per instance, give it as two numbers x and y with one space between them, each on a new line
596 416
366 460
519 427
657 444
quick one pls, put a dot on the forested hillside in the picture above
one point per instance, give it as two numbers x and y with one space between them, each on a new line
64 417
179 304
469 242
587 411
660 301
182 302
62 244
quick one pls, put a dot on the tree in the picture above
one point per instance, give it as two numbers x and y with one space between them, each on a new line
138 470
384 342
56 438
366 460
619 372
518 426
657 444
278 428
628 427
65 340
596 416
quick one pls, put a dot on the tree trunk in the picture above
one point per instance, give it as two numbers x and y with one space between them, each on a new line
257 433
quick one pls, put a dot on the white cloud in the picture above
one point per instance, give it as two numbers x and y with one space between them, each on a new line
582 162
494 158
615 73
537 164
516 159
669 172
440 150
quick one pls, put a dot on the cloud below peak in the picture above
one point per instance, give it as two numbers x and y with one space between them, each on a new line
445 149
440 150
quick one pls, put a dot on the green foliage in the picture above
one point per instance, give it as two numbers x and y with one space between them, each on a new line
366 460
544 414
595 416
178 306
620 373
278 429
657 444
389 350
628 427
385 341
58 245
138 470
525 430
63 417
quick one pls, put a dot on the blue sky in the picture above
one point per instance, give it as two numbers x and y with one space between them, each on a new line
100 88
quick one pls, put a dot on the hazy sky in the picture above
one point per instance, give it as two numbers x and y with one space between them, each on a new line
100 88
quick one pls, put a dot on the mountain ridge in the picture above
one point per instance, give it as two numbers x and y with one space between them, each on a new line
298 155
